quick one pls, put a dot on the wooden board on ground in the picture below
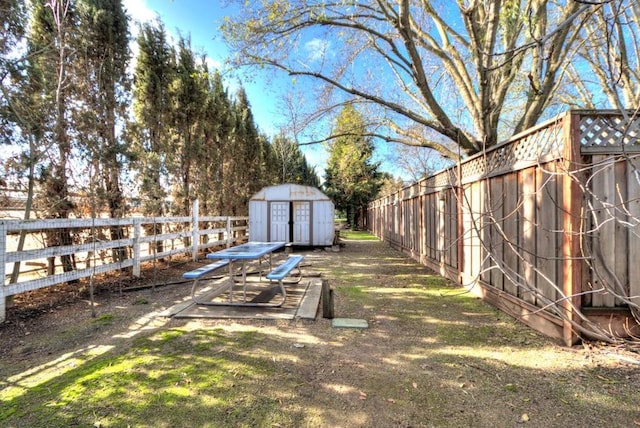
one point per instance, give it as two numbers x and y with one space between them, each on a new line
308 308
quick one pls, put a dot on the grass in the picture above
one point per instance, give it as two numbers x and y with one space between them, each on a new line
164 379
357 235
104 319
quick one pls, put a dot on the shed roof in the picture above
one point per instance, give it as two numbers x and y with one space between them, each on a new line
290 192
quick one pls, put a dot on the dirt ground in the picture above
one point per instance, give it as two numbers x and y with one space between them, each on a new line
432 355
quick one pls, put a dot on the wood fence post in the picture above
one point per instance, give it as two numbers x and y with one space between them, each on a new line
137 228
460 231
195 235
327 300
572 197
441 232
228 232
3 258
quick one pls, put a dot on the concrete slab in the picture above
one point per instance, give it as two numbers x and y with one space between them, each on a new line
349 323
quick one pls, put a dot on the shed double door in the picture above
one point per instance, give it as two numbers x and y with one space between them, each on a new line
291 218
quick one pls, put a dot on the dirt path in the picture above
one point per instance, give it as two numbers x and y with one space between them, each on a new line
432 355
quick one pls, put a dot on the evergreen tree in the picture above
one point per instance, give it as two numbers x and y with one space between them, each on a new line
103 88
270 169
217 129
351 179
246 156
189 98
291 164
309 175
12 29
51 51
153 75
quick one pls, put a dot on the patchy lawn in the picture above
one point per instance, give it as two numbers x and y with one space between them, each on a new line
433 355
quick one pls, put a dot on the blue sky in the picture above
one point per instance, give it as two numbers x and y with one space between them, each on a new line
200 19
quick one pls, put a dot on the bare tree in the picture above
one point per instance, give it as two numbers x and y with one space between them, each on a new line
416 63
610 56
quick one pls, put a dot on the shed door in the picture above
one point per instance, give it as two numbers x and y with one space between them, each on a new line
301 222
279 224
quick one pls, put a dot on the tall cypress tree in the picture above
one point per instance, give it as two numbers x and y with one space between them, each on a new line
12 29
188 105
51 46
104 85
154 72
246 155
218 127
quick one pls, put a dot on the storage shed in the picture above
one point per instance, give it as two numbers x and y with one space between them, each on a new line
301 215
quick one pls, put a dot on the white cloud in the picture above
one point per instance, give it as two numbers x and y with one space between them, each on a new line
317 49
139 11
213 64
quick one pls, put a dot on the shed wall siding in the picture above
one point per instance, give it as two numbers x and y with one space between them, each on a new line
317 228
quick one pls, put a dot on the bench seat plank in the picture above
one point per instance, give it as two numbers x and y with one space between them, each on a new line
197 273
285 268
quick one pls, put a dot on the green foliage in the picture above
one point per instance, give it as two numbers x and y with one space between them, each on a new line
153 75
351 179
291 165
102 71
71 105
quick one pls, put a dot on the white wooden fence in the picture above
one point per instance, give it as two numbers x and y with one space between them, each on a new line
177 235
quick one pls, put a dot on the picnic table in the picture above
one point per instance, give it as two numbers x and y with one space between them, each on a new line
243 254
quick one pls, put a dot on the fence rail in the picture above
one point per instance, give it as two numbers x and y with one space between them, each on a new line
545 226
92 252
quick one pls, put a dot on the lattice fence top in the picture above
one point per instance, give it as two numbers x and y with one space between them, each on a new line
546 141
602 132
538 145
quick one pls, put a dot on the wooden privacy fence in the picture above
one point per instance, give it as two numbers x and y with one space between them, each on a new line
545 226
144 239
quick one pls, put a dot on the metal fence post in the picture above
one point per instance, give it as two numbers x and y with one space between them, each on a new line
195 235
3 257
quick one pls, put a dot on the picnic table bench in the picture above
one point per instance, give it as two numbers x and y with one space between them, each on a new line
198 273
280 272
